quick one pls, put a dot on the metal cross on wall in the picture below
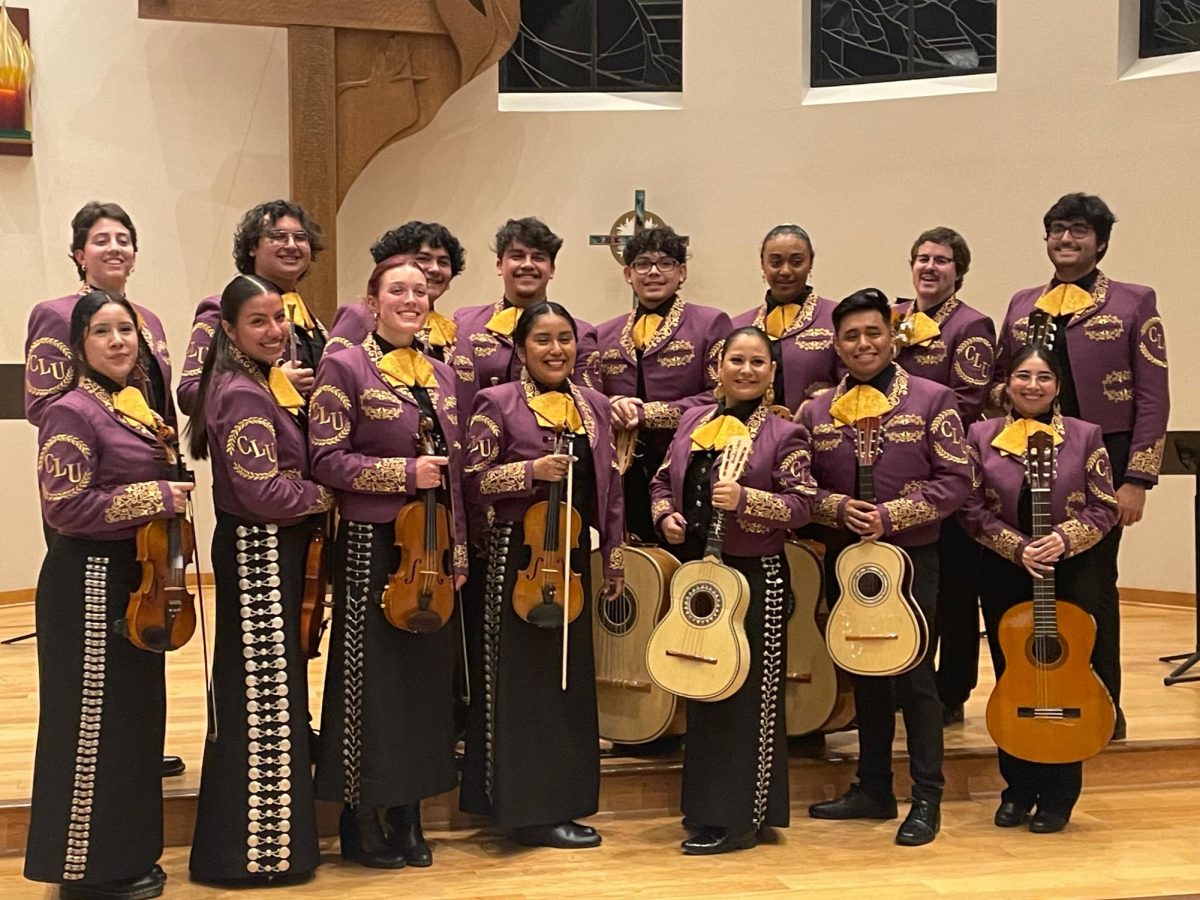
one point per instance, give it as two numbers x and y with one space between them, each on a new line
626 226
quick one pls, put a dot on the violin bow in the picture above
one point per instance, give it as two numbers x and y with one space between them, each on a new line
570 439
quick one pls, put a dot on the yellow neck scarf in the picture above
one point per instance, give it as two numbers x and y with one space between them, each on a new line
780 319
644 328
554 409
916 329
504 321
1064 300
716 434
861 402
132 405
1014 438
297 312
284 392
441 330
407 367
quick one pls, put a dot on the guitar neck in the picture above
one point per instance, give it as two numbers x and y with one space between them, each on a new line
1045 610
866 483
716 535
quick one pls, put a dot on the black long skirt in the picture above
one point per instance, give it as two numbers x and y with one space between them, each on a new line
735 759
256 816
97 781
387 721
533 749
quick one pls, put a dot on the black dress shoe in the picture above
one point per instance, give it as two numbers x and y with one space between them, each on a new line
363 841
564 836
1119 726
1047 822
921 825
710 840
172 766
140 887
1010 815
406 834
952 714
855 804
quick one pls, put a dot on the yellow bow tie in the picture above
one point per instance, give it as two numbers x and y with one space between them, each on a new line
284 392
407 367
861 402
504 321
916 329
1014 438
780 319
296 311
1064 300
132 405
715 435
554 409
644 328
441 330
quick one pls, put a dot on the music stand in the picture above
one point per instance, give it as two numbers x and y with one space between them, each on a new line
1181 456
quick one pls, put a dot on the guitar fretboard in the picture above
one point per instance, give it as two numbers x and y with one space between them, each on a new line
1045 610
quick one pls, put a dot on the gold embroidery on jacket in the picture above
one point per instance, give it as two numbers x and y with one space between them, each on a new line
1152 343
1104 327
503 479
135 502
765 505
1118 386
386 476
1148 460
51 464
1079 536
906 513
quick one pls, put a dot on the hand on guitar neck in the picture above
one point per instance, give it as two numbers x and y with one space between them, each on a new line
625 413
1039 557
863 519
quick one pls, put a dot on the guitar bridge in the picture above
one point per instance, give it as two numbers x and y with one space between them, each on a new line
1048 712
873 637
710 660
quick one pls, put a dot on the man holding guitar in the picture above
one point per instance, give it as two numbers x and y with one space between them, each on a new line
1109 342
919 475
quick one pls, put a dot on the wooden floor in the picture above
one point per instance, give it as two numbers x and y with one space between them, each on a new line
1119 844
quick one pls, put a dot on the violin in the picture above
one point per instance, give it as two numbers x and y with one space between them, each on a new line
419 596
552 531
313 602
161 615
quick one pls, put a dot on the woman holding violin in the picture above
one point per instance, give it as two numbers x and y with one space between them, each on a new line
96 818
256 821
735 765
540 455
384 435
999 514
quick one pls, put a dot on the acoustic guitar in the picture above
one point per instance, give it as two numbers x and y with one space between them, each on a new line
699 650
812 684
875 628
1049 706
632 708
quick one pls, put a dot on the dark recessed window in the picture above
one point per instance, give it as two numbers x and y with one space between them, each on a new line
596 45
860 41
1169 26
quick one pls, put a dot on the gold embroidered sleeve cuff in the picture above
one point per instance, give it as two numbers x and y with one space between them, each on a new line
461 559
143 500
1148 460
903 514
509 478
1078 536
323 502
616 563
829 510
659 509
658 414
386 476
1007 543
766 506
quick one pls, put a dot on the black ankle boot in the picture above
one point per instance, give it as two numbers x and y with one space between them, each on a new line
407 837
363 841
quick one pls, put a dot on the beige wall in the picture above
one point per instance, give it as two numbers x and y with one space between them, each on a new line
743 153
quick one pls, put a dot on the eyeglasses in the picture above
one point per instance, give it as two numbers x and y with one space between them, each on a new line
925 259
1077 229
665 264
279 236
1041 378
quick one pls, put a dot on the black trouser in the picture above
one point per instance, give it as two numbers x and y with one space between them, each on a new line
1106 609
957 626
914 692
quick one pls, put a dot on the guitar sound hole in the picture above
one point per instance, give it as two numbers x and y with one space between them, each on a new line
870 585
619 614
1046 650
702 604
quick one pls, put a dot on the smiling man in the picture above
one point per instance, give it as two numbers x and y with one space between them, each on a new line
1109 340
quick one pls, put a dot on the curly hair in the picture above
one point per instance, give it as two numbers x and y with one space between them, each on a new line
411 236
531 232
257 220
662 239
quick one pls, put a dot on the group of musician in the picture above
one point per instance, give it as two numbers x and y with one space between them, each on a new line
503 406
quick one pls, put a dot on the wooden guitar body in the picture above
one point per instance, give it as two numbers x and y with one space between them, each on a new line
875 628
1049 706
812 685
699 650
632 708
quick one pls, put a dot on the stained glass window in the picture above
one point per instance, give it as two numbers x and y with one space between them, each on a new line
1169 26
860 41
596 45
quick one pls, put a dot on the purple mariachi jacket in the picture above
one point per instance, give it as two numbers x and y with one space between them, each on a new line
362 438
504 440
922 473
807 356
1083 502
100 477
259 451
1118 356
961 357
205 323
679 365
352 322
778 493
48 363
480 355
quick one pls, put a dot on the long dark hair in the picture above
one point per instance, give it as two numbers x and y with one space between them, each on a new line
237 293
81 317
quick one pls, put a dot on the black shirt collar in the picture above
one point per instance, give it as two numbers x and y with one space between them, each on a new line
742 410
1087 282
661 310
882 381
105 382
772 303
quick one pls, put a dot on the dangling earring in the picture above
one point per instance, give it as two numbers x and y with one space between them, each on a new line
769 397
719 393
1056 409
